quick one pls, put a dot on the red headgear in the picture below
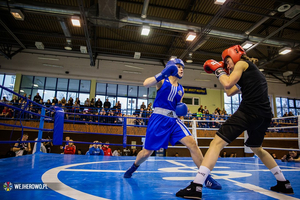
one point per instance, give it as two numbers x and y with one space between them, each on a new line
235 53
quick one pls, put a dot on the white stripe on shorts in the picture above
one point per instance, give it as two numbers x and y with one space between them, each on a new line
183 127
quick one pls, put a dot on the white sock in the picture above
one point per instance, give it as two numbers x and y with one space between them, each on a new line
202 174
278 174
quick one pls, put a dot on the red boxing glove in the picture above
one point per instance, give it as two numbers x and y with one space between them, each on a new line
211 66
225 68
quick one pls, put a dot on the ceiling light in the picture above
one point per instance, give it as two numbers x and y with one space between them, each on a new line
247 44
131 72
39 45
75 21
83 49
68 47
17 14
144 95
134 67
35 85
287 73
220 2
189 60
261 69
285 50
145 30
201 80
50 65
21 90
291 13
45 58
190 36
173 57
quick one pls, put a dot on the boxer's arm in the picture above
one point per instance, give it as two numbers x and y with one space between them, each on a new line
229 81
232 91
151 81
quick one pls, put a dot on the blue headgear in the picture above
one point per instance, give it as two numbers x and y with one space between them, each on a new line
180 62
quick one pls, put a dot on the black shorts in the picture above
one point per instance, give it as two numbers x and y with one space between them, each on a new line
255 125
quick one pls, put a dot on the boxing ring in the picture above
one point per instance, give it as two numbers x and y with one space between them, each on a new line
61 176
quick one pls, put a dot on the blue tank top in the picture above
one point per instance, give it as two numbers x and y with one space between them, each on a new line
168 95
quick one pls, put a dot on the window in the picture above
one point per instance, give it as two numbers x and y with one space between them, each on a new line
232 103
49 87
7 81
191 101
286 105
111 89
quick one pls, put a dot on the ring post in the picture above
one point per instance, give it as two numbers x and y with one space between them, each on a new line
58 130
40 134
124 132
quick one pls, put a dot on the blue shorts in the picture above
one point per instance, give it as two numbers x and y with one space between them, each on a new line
162 129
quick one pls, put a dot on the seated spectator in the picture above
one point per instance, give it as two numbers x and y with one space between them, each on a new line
6 112
133 152
126 152
22 148
115 107
14 101
79 152
95 149
48 103
48 145
87 103
292 156
119 105
75 107
233 155
77 100
117 152
106 149
224 154
55 100
70 148
273 155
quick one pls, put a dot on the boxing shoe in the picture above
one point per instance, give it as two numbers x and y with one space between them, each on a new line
193 191
283 187
212 183
130 171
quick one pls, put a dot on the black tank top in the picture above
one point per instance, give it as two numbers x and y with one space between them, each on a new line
254 90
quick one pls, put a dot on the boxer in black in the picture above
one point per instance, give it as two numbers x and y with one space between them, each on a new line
238 73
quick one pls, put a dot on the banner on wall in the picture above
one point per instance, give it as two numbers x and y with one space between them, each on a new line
195 90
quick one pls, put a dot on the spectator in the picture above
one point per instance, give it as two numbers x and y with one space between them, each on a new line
14 101
63 100
22 148
273 155
115 107
143 106
37 98
92 103
95 149
106 149
48 145
224 154
79 152
98 103
117 152
29 96
6 112
233 155
176 154
149 106
55 100
48 103
292 156
126 152
24 97
107 104
119 105
71 101
75 107
70 148
87 103
133 152
77 100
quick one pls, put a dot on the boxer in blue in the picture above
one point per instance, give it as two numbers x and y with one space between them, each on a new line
164 125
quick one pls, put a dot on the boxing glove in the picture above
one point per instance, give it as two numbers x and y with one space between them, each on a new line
170 70
211 66
181 109
225 68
